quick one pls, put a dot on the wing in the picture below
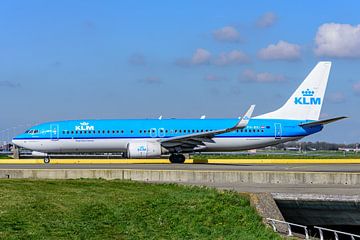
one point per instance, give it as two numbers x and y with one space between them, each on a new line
197 141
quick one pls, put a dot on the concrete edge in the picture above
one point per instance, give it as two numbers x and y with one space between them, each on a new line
183 176
266 207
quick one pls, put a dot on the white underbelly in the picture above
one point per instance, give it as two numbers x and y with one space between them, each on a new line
76 145
238 144
120 145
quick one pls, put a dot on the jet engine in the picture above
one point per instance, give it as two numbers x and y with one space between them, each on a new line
144 150
38 154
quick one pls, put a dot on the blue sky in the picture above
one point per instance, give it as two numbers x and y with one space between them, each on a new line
141 59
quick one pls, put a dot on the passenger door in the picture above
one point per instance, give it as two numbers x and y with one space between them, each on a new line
278 130
54 132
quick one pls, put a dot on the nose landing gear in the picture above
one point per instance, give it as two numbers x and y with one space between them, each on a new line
177 158
46 159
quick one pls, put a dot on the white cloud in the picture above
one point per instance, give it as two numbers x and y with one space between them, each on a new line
280 51
151 80
227 34
356 88
338 40
201 56
261 77
213 78
266 20
9 84
324 115
137 60
232 57
336 97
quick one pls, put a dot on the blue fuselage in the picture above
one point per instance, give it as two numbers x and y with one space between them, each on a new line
81 135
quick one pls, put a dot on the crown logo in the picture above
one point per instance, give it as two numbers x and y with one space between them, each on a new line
84 123
308 93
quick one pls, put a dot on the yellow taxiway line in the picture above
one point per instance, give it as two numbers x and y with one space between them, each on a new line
83 161
286 161
165 161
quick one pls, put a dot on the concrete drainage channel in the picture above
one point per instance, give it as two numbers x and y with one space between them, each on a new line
309 216
337 212
324 216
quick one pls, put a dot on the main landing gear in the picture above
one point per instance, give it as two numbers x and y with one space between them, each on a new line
177 158
46 159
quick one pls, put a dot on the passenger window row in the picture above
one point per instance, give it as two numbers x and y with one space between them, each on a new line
178 131
161 130
152 131
250 130
94 132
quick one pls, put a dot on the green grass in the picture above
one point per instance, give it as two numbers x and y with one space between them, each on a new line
100 209
317 155
4 157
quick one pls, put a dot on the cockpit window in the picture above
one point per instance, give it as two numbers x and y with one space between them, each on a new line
32 131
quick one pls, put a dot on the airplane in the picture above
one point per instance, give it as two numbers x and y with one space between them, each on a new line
152 138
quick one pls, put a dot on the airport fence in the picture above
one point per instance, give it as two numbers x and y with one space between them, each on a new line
337 234
274 222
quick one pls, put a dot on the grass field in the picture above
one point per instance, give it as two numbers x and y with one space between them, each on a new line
312 155
100 209
4 157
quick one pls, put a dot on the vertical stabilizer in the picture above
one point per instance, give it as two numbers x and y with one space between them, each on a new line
306 102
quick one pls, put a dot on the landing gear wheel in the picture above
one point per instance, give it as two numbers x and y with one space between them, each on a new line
46 160
177 158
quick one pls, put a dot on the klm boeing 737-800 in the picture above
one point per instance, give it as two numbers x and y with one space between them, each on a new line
143 138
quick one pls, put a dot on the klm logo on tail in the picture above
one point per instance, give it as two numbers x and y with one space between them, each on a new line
307 98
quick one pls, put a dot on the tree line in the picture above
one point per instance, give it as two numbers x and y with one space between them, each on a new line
316 145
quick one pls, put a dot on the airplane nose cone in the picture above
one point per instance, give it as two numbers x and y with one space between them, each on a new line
17 142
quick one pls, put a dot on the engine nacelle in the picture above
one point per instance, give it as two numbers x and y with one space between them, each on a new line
143 150
38 154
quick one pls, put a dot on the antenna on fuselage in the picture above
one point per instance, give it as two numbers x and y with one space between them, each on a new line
160 117
203 117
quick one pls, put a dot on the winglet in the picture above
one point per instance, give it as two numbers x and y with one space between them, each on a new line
245 119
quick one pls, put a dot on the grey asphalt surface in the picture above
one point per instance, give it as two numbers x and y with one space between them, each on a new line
199 167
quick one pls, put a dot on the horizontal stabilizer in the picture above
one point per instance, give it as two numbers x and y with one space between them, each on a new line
322 122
